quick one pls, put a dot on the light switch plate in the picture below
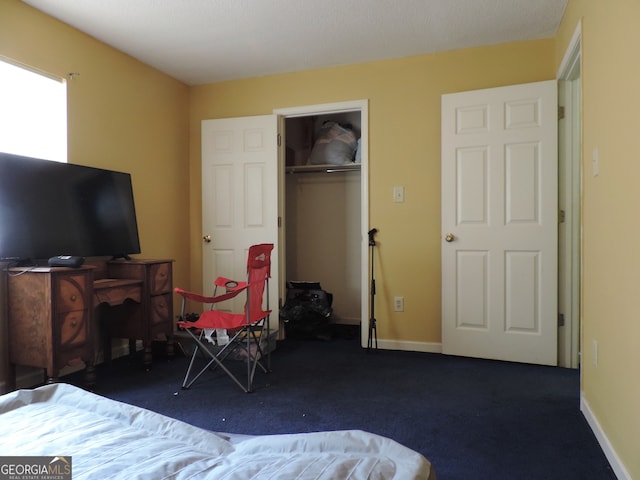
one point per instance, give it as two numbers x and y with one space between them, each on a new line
398 194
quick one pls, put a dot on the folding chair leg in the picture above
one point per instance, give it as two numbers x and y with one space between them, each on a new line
199 345
249 369
191 362
253 334
214 359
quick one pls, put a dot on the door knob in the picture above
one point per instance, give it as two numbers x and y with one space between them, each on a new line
449 237
207 239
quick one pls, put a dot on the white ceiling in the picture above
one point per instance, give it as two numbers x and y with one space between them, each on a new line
205 41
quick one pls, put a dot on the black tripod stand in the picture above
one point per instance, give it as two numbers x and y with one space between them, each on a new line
373 333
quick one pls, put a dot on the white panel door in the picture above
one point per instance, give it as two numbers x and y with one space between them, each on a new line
239 198
499 223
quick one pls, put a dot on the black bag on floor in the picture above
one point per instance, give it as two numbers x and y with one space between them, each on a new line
307 310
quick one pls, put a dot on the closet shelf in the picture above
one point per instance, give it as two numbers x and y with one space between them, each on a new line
347 167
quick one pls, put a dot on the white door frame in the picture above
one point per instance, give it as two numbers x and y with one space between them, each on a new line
570 200
356 105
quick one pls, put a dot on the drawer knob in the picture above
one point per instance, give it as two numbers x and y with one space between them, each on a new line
73 298
74 323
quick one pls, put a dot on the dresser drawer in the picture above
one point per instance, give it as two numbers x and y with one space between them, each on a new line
161 310
73 329
70 293
160 278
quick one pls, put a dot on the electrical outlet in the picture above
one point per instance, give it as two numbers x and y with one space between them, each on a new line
398 304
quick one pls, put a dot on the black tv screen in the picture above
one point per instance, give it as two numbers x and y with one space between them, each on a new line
49 208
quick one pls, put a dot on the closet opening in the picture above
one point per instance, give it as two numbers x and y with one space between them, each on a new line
324 214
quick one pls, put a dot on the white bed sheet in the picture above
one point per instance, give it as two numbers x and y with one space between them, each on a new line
112 440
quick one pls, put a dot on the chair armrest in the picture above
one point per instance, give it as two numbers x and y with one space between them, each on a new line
229 284
196 297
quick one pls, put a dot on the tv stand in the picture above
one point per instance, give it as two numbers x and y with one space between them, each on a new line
59 316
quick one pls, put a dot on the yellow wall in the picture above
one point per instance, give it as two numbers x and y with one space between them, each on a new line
611 101
404 149
126 116
122 115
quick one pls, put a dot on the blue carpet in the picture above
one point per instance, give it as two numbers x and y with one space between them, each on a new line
473 419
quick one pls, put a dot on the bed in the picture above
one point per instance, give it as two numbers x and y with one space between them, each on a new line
107 439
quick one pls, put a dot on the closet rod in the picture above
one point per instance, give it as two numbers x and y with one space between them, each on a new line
352 167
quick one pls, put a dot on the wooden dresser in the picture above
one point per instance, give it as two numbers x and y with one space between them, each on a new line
60 316
51 319
155 315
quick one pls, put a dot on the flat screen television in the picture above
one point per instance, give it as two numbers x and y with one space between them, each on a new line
49 208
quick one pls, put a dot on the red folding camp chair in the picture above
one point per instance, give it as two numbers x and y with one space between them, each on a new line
247 331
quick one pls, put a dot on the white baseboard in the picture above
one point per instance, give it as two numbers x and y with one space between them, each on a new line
409 346
617 466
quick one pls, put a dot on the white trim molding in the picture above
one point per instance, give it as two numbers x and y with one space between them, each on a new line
410 346
572 53
362 106
616 464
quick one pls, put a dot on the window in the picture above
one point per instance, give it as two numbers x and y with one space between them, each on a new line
33 113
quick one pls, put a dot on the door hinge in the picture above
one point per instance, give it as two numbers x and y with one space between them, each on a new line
561 216
561 319
560 112
279 222
279 140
